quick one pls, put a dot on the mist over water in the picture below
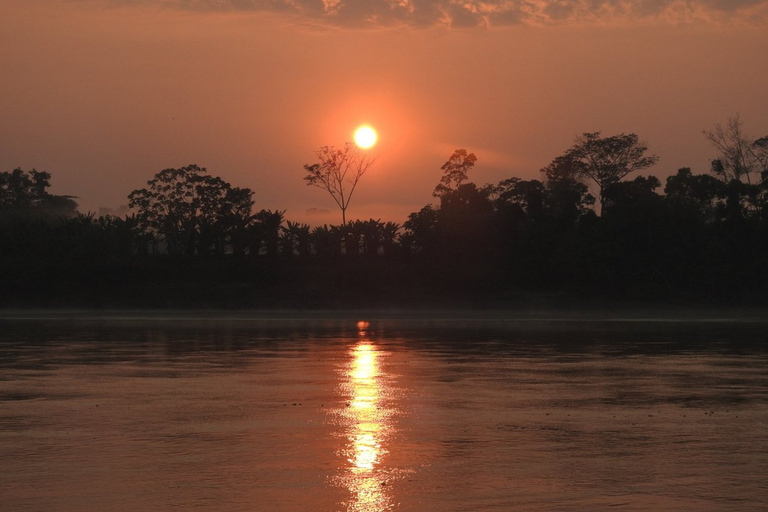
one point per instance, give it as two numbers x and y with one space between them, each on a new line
327 414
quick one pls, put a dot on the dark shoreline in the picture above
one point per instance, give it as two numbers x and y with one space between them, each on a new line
615 314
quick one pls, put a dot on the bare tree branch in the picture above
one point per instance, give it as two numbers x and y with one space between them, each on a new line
339 172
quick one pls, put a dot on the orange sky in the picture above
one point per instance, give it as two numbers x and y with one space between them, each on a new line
105 93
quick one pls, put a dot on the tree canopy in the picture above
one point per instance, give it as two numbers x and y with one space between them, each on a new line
26 193
193 239
190 210
606 160
455 172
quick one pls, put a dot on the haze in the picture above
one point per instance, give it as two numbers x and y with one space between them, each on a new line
103 94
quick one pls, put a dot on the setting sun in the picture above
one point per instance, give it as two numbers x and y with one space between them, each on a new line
365 137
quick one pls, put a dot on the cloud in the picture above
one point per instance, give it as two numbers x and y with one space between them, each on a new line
486 13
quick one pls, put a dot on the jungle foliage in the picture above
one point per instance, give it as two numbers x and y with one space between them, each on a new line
196 240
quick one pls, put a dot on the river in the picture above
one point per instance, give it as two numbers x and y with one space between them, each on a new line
353 412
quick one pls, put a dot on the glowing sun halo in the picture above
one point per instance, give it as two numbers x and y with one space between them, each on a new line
365 137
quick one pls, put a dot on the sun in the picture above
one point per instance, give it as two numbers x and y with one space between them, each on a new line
365 136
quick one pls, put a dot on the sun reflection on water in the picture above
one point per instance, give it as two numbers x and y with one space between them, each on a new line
368 427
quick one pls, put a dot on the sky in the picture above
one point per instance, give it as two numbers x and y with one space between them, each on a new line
103 94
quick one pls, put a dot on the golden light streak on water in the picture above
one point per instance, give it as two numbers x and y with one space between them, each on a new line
369 426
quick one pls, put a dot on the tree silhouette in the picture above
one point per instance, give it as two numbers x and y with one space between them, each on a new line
375 237
326 241
235 218
740 155
528 195
705 236
606 160
189 209
702 194
354 233
270 224
421 231
338 173
389 237
25 193
455 172
295 239
566 197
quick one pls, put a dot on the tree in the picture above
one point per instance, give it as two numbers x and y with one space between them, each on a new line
26 193
421 231
338 173
702 194
295 239
566 197
760 149
389 237
455 172
740 155
636 197
235 218
606 160
189 209
377 237
527 195
270 225
326 241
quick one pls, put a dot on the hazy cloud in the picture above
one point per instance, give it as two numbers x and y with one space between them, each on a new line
486 13
316 211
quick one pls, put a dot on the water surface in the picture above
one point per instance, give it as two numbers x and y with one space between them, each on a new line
443 414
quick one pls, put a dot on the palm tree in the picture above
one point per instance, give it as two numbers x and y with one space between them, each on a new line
270 223
303 238
295 238
370 236
389 237
354 233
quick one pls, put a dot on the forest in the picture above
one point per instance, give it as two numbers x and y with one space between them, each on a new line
195 240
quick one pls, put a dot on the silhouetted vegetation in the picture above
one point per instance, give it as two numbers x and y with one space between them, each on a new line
338 173
195 240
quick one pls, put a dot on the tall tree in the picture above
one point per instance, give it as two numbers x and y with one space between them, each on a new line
338 173
566 197
741 156
455 172
606 160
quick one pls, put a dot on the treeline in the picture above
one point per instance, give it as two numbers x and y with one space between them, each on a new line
195 240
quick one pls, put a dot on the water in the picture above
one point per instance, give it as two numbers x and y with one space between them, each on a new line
313 414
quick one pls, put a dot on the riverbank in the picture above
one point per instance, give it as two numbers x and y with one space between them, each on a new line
615 313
